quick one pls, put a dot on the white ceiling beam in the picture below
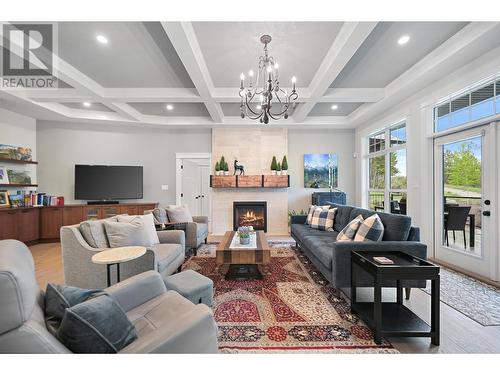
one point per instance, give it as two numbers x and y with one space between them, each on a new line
352 95
345 45
183 38
115 95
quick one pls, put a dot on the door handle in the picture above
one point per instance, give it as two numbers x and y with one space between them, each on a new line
486 213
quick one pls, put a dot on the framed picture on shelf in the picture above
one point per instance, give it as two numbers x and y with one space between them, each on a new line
4 199
16 200
4 177
19 177
15 153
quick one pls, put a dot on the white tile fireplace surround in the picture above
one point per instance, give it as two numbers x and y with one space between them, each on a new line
253 148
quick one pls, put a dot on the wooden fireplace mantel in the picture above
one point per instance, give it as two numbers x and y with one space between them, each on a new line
252 181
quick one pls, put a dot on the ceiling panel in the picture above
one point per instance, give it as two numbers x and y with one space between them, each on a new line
93 107
180 109
325 109
137 54
380 59
230 48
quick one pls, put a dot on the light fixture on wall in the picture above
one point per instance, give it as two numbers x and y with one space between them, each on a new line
265 89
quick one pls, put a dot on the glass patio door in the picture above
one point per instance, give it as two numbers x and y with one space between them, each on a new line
464 194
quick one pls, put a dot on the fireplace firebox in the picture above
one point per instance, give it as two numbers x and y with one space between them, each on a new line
250 214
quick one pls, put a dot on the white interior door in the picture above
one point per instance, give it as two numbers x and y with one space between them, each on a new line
195 185
190 186
465 190
204 190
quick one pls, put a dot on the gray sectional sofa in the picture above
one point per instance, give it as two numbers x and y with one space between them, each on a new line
333 259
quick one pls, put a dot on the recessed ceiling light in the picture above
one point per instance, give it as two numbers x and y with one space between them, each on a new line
86 104
102 39
169 107
335 107
403 40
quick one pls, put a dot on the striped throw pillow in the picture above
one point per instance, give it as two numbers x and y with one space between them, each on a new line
322 219
310 213
349 232
371 229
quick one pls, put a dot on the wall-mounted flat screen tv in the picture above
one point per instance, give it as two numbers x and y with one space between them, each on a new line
108 182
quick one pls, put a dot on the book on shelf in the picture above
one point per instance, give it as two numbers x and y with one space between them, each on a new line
25 198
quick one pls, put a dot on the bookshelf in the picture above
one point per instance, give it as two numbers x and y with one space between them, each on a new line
16 161
17 185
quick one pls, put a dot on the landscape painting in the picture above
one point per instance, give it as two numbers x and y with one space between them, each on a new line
19 177
320 171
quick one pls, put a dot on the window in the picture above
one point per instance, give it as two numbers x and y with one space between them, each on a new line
479 102
387 182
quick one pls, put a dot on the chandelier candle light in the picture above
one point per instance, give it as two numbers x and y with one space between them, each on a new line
266 90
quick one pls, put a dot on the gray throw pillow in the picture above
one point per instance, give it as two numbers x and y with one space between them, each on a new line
126 234
93 232
98 325
60 297
159 214
179 214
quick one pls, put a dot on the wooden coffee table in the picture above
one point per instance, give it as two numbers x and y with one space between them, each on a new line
243 263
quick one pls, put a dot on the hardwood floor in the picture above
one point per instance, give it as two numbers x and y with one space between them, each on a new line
459 334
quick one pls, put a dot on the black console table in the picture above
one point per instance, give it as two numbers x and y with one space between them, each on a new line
393 318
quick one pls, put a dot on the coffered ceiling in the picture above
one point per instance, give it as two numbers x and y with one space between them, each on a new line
178 73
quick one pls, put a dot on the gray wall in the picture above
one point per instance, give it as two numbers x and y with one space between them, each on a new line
300 142
62 145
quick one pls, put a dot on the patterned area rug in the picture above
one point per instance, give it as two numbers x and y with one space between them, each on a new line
473 298
291 310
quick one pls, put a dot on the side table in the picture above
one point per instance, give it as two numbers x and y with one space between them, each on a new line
393 318
116 256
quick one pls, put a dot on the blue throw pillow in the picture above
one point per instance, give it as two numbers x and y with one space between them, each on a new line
58 298
98 325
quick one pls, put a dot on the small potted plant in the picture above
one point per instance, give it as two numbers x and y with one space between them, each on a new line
226 169
278 169
284 166
217 169
244 235
274 165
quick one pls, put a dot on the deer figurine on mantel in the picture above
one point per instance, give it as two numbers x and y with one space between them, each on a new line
238 168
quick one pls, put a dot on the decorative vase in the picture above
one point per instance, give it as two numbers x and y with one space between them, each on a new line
284 172
244 240
278 173
273 173
226 173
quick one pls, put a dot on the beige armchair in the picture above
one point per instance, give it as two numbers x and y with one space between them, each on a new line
79 270
165 321
196 231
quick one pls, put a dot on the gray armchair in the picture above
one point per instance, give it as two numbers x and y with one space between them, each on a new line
196 231
166 258
165 321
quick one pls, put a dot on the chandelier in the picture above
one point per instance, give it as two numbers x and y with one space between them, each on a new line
263 98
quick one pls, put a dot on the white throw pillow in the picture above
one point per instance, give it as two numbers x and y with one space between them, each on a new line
179 214
148 224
